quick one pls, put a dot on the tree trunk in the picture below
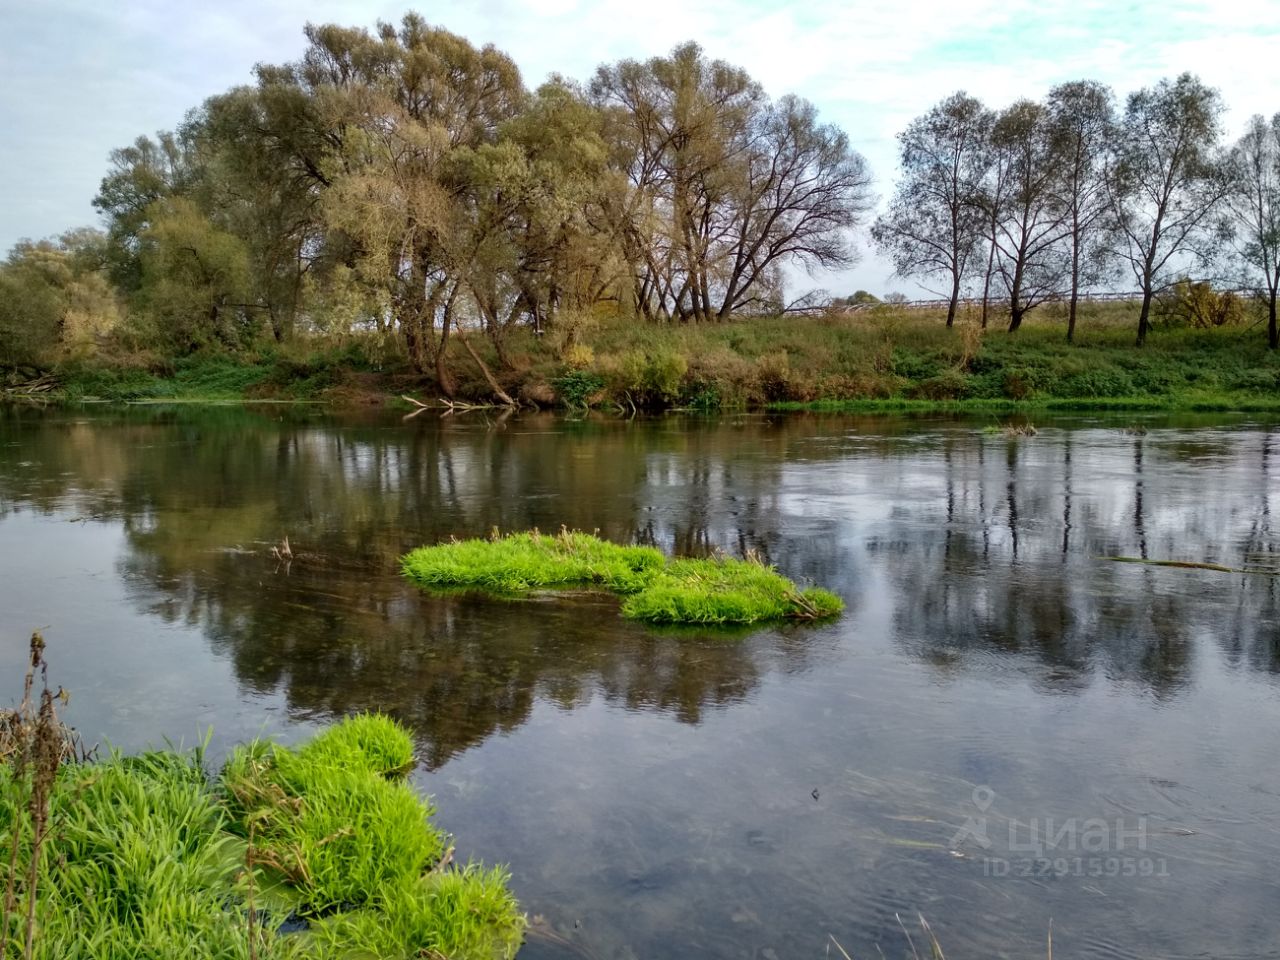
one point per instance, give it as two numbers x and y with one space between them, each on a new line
986 282
488 375
1016 313
1075 290
1273 334
955 300
1144 317
443 378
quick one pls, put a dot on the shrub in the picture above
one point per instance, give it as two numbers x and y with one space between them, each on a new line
578 388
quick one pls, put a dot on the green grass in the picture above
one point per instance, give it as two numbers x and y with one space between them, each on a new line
716 590
726 591
525 561
146 856
885 359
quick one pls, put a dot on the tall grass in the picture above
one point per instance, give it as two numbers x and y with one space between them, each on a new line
146 856
717 590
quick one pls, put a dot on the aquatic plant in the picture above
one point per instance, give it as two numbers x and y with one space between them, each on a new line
723 590
523 561
716 590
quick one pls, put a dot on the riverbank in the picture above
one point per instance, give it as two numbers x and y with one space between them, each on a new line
323 850
879 360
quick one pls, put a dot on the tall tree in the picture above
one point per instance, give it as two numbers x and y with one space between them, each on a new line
722 186
394 109
1028 216
934 225
1253 207
140 174
1082 124
1164 181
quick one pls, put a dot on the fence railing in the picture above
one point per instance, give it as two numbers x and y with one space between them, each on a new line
995 303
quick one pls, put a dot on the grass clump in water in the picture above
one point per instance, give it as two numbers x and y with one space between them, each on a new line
524 561
717 590
146 856
723 590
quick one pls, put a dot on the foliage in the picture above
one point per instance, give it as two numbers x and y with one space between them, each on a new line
55 300
577 387
716 590
1197 304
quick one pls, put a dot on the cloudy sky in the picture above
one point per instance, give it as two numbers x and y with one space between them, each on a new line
78 77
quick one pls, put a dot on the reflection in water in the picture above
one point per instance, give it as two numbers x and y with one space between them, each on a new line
690 792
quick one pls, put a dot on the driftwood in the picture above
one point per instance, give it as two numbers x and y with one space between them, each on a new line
34 389
451 407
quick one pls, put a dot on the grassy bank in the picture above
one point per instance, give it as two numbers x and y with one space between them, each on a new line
285 854
706 591
881 359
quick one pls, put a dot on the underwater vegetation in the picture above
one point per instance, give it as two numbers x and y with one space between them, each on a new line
319 851
716 590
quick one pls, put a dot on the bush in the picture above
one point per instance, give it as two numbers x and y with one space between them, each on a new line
578 388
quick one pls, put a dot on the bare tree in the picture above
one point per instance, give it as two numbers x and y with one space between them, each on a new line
1253 208
1164 181
933 227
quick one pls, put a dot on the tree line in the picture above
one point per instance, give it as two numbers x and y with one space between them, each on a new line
405 182
1044 199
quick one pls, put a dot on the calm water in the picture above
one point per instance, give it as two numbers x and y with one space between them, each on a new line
671 795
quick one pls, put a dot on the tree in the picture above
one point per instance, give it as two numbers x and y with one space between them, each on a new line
1253 207
391 113
1027 213
194 279
1082 124
934 225
1164 181
719 187
56 300
140 174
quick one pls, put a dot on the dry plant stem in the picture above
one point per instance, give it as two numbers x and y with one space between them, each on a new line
37 744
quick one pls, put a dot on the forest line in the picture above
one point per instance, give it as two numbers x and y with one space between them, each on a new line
403 185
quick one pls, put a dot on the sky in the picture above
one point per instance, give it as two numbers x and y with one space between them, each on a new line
80 77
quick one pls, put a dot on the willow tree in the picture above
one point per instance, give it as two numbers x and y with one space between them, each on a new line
934 225
721 186
1082 122
393 108
138 175
1029 217
1164 182
1253 206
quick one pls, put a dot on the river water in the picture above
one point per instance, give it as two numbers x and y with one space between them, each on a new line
1005 732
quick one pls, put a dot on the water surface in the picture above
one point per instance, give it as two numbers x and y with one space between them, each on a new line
672 794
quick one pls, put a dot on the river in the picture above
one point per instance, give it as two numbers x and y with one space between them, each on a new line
1005 732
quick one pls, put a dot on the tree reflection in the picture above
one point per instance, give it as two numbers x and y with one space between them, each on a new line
988 549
